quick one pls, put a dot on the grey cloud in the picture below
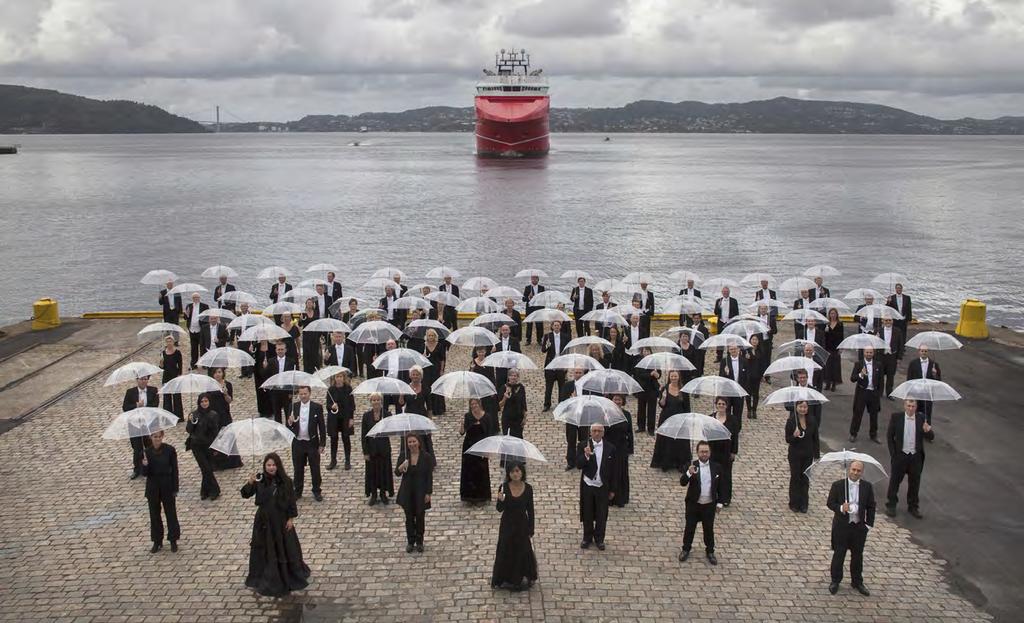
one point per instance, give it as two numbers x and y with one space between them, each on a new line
813 12
567 18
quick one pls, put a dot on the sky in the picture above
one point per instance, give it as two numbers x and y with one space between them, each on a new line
278 60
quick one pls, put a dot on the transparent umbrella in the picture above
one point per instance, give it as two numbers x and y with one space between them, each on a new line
683 276
443 297
239 297
835 465
821 270
226 357
374 332
412 302
925 389
696 337
797 348
549 298
506 448
571 361
796 393
724 340
547 315
745 328
384 385
805 315
388 272
606 317
186 288
791 363
509 359
327 325
657 344
379 283
504 292
795 284
889 281
326 373
479 283
478 305
140 422
770 303
582 344
253 437
263 332
441 272
273 272
297 294
160 330
878 310
472 336
611 286
401 424
603 381
529 273
863 293
636 278
492 321
860 341
281 308
293 380
158 277
714 386
588 410
665 361
246 321
418 328
934 340
313 282
190 384
575 275
130 372
827 302
216 272
695 427
683 305
223 314
398 359
716 284
757 278
463 384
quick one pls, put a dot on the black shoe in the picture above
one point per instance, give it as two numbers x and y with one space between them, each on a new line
863 590
683 555
916 513
419 547
833 587
639 430
298 493
793 508
156 548
875 439
384 499
348 465
853 438
214 496
373 499
569 468
803 510
174 546
547 408
600 546
890 397
890 510
409 548
333 465
711 558
203 497
752 415
318 497
133 476
584 544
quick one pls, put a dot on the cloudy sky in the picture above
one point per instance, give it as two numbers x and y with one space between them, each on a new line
281 59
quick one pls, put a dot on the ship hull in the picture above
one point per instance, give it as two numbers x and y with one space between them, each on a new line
512 127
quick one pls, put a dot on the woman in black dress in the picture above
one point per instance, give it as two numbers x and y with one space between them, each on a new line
617 358
221 403
671 453
621 436
416 467
724 451
160 466
170 363
264 401
515 564
292 342
692 354
800 431
833 373
474 478
275 557
437 352
512 404
477 365
377 454
341 412
310 339
417 403
755 367
202 428
597 352
647 398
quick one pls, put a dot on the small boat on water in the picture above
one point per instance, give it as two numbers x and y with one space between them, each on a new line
8 149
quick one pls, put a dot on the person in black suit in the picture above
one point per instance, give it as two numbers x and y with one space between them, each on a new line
894 338
876 322
697 324
529 292
691 293
923 367
852 502
819 291
737 368
726 308
901 303
551 345
341 352
606 303
814 411
306 421
800 431
765 293
160 466
195 327
322 301
574 435
171 305
214 335
506 342
596 458
280 362
333 287
142 395
646 306
703 482
278 289
416 467
582 299
450 316
398 285
813 333
906 453
804 302
868 377
223 288
513 313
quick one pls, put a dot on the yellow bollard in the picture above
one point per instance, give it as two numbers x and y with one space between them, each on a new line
45 315
713 324
972 320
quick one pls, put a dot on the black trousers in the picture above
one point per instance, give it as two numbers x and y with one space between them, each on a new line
530 326
208 486
850 537
582 328
753 397
925 407
798 482
414 525
736 410
138 443
573 436
172 403
306 452
281 401
594 508
346 440
865 400
889 362
703 514
156 526
194 341
911 466
814 414
726 480
552 378
647 411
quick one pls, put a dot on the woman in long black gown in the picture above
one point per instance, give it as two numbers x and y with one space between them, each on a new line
800 431
617 358
417 403
515 564
512 403
724 451
490 403
341 412
310 339
171 364
621 436
377 454
264 402
692 354
437 352
202 428
275 556
416 467
160 466
755 367
221 403
292 342
647 398
833 373
671 453
474 477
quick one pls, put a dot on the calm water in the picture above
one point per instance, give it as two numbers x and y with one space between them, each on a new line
84 217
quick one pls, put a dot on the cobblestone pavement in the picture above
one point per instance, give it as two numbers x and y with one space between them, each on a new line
74 540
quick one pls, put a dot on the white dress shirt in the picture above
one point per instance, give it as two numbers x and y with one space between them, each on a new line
322 305
504 343
887 336
281 363
303 421
899 303
598 455
634 334
193 324
557 339
853 498
809 333
391 308
869 373
726 308
924 368
909 433
735 368
704 469
339 351
213 334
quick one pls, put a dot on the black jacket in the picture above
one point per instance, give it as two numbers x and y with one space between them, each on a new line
734 310
528 294
220 291
171 314
894 436
877 379
582 304
590 468
693 484
272 368
161 471
222 336
188 315
349 356
725 369
865 506
914 370
131 398
547 345
907 308
274 294
317 426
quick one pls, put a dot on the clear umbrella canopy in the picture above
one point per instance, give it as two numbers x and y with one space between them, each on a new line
603 381
571 361
224 314
582 345
478 305
379 284
440 272
273 272
479 283
131 372
239 297
795 284
574 275
504 292
683 305
835 465
140 423
401 424
186 289
925 389
888 281
612 286
253 437
717 283
313 282
821 270
863 293
714 386
547 315
384 385
798 348
374 332
805 315
549 298
190 384
418 328
606 317
443 297
827 302
323 267
284 307
588 410
769 303
934 340
327 325
665 361
745 328
472 336
878 310
492 321
695 427
226 357
796 393
636 278
388 272
506 448
161 330
790 364
860 341
463 384
757 278
399 359
509 359
724 340
412 302
293 380
327 373
529 273
216 272
656 344
683 276
158 277
297 294
263 332
696 337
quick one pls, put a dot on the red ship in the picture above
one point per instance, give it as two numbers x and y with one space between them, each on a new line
512 107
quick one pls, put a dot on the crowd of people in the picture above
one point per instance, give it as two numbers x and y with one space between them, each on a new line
601 453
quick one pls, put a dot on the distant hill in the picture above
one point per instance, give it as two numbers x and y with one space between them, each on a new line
24 110
779 115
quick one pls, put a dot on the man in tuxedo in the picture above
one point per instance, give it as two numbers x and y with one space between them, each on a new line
819 291
340 352
734 367
901 303
551 345
765 292
510 310
223 288
142 395
333 287
813 333
506 342
306 421
646 306
387 304
606 303
906 431
690 290
867 376
214 335
769 317
893 337
573 434
852 502
195 328
922 367
451 315
875 324
582 298
171 305
804 302
398 285
529 292
279 288
322 301
726 308
596 459
280 399
703 482
633 332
